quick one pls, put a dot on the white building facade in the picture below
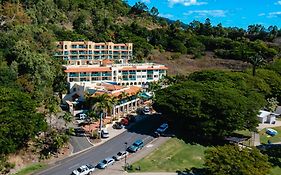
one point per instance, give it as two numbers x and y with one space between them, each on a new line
88 52
120 74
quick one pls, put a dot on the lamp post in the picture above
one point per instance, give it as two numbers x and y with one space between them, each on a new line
100 123
125 156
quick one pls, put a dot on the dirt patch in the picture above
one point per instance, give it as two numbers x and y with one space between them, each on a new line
185 64
28 156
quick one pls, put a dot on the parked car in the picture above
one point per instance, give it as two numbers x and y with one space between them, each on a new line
124 121
137 145
117 125
104 163
162 128
81 116
104 133
146 110
271 132
120 155
84 170
79 132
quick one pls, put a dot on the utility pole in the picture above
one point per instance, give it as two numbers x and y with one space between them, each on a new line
101 122
125 157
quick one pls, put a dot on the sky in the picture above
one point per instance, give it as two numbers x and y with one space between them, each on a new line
231 13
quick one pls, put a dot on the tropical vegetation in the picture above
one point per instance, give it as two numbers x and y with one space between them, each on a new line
32 79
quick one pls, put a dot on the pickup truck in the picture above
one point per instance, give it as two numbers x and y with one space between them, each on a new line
84 170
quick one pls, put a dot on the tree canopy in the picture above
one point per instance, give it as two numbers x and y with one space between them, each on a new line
233 160
19 120
212 103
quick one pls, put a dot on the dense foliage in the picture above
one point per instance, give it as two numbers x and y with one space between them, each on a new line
30 74
233 160
19 120
216 103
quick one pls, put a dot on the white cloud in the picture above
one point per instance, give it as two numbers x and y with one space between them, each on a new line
185 2
170 16
206 13
278 3
146 1
274 14
261 14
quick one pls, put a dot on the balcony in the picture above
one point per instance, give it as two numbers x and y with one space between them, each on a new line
107 74
73 75
84 75
96 75
149 78
125 73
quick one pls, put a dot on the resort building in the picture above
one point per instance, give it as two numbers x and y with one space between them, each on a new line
127 97
119 74
88 52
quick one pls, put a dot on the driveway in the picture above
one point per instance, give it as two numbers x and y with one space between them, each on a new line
79 143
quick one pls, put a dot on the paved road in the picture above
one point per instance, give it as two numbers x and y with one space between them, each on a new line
142 130
79 143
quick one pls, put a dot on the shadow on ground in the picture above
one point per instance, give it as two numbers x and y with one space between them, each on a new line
147 125
193 171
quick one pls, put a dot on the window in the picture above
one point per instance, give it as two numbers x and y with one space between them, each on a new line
65 46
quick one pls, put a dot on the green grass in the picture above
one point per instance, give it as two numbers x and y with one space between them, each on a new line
265 137
246 133
275 171
173 155
32 168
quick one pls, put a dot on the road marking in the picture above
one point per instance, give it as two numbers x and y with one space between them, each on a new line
73 166
149 145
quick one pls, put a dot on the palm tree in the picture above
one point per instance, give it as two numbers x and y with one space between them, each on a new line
256 61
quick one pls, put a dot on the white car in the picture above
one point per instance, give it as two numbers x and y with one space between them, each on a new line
104 133
84 170
162 128
120 155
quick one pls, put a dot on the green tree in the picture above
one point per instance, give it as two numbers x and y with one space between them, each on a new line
210 109
154 12
19 120
233 160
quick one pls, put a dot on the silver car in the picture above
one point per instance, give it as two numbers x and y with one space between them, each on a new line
120 155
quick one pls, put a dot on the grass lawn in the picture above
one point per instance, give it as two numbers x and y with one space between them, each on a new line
30 169
275 171
173 155
265 137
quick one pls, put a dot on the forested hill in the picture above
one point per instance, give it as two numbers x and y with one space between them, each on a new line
29 74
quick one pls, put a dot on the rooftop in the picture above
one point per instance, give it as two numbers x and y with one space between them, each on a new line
107 67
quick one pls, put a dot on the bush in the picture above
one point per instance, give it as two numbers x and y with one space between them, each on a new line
175 56
95 134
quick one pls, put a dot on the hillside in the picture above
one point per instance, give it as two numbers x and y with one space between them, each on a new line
185 64
30 75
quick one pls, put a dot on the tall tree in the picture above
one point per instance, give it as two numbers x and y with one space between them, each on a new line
256 61
233 160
